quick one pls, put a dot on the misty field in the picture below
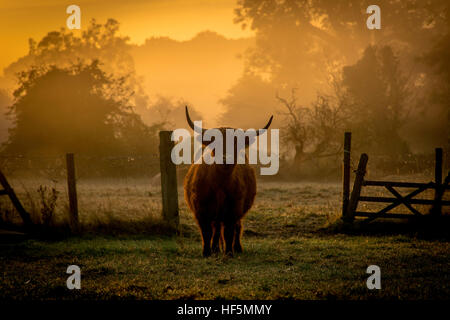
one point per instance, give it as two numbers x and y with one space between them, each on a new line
291 251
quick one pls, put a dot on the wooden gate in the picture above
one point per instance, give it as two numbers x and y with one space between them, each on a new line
350 211
8 191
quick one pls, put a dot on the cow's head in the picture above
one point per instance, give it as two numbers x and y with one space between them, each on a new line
223 130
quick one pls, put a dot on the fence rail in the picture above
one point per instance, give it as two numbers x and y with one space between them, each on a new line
411 201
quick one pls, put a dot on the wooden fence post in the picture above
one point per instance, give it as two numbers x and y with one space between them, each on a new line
437 207
357 185
346 172
72 189
168 179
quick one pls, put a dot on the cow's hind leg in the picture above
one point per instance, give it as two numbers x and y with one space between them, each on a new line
216 236
237 237
206 229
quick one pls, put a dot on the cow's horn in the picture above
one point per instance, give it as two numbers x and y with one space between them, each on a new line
258 132
191 124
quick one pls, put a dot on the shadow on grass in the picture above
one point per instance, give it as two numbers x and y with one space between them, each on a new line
112 227
425 227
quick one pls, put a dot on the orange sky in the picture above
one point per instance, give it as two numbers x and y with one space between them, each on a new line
140 19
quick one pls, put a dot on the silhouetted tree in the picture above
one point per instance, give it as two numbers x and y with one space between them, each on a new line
379 101
314 132
77 109
296 39
300 43
249 103
170 113
439 86
5 102
370 98
63 49
101 42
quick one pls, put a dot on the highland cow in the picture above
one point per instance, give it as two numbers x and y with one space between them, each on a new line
219 195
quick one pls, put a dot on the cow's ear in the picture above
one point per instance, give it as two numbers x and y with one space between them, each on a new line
200 139
211 135
206 143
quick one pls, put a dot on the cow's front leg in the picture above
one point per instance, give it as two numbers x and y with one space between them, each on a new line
206 229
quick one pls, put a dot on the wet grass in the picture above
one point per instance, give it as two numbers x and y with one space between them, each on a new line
292 250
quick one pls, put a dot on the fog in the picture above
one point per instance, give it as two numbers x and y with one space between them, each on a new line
314 65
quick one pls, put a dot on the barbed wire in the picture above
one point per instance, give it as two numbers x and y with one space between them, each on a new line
53 167
81 156
409 164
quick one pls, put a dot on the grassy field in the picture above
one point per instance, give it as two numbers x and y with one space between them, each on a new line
290 251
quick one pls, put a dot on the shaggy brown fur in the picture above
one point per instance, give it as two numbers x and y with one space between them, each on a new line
220 195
